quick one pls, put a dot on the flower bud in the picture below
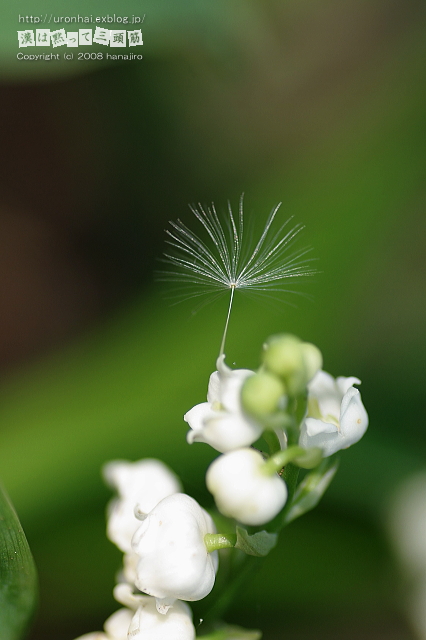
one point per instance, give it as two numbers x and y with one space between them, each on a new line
261 393
312 358
294 361
142 484
242 490
283 355
173 560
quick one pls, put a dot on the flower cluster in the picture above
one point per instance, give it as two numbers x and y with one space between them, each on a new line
297 416
161 532
267 425
243 405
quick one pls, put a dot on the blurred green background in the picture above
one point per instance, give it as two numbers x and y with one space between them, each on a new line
320 105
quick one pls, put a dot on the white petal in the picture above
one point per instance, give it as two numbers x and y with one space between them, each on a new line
229 389
321 384
221 422
162 605
142 483
221 430
196 417
230 431
315 427
146 481
130 561
353 417
343 384
123 593
148 624
213 392
323 388
230 392
353 422
117 625
242 491
174 562
315 433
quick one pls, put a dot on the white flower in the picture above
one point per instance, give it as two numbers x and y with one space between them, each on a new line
174 561
147 624
408 524
221 421
139 484
242 490
130 562
140 620
336 416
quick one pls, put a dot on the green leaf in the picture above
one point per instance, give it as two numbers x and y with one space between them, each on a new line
18 578
259 544
311 489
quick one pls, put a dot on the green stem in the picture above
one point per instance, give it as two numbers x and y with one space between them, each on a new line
271 439
300 408
223 602
291 476
281 459
278 460
215 541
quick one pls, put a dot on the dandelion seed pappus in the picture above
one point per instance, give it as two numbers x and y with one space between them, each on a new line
262 268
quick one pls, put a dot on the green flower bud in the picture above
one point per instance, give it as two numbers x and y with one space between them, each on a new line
261 393
283 355
312 357
294 361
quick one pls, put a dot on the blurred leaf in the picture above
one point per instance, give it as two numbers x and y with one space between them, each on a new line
259 544
18 581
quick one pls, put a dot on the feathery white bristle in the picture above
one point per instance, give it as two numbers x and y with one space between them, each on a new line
201 270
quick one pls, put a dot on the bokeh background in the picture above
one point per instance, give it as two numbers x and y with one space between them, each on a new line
318 105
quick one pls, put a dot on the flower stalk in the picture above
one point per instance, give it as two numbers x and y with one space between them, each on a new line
216 541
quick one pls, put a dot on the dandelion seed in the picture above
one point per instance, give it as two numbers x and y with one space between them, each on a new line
226 267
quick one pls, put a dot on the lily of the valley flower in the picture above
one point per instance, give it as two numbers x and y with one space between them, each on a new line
221 421
148 624
242 490
336 416
140 620
173 559
139 484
